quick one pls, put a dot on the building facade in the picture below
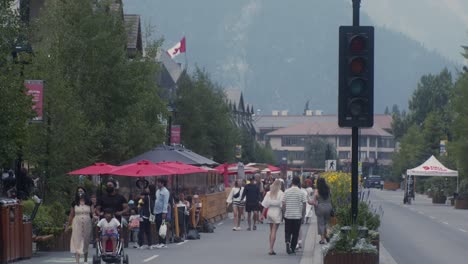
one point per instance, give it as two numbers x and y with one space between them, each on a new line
289 135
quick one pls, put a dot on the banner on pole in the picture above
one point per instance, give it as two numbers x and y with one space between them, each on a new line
35 88
175 135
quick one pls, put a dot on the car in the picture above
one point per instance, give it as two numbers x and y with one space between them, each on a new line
373 181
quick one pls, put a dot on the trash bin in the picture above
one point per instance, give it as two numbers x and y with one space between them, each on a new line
26 241
10 220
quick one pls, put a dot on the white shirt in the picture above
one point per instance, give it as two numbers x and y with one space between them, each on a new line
109 227
294 199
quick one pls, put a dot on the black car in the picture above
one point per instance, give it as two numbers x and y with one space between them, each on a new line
373 181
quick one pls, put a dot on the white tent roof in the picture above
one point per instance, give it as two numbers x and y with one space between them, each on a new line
432 167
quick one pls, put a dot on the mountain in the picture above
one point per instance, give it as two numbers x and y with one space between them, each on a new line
283 53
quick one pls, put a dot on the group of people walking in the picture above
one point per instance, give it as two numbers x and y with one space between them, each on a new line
102 218
271 201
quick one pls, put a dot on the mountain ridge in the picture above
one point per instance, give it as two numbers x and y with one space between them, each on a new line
283 54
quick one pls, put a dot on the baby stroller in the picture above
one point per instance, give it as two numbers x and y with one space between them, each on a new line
103 253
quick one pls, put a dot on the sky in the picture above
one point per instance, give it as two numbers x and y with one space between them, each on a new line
440 25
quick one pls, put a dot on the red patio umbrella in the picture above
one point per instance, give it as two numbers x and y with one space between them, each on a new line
181 168
96 168
143 168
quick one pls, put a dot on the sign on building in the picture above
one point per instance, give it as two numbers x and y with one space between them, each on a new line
330 165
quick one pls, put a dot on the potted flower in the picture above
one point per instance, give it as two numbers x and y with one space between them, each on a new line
461 201
350 245
438 190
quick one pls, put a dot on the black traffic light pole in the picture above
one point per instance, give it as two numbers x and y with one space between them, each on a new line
355 139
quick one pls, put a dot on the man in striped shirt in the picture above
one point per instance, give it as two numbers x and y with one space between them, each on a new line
294 207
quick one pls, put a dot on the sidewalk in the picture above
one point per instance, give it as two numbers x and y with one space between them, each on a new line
313 250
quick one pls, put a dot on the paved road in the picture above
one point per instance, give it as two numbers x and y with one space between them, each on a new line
224 246
422 232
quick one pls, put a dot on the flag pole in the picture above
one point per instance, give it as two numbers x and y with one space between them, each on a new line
185 54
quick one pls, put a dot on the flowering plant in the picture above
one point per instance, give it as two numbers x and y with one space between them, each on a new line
340 187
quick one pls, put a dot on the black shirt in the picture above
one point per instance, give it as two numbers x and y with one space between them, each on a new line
252 194
114 202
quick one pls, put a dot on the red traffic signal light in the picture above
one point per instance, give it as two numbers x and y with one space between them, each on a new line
356 77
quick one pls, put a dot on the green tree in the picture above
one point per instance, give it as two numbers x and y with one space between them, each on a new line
460 124
432 94
15 105
317 151
205 118
411 152
100 105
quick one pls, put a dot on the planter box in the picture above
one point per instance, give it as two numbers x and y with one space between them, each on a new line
392 186
461 204
439 199
60 242
351 258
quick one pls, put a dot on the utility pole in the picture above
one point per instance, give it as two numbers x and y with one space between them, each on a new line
355 139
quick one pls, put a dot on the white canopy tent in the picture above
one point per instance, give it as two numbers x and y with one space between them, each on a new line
432 167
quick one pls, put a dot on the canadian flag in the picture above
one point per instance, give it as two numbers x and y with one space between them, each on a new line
177 49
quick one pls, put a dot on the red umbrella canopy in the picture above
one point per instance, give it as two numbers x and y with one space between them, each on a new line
181 168
273 168
143 168
96 168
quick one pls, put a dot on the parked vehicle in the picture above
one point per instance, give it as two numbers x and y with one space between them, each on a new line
373 181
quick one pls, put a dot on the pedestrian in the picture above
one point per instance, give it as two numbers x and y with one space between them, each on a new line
272 204
299 241
235 198
160 210
134 225
294 205
81 223
112 200
310 194
323 207
252 198
198 207
259 182
145 209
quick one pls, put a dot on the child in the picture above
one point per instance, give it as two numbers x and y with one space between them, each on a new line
134 224
198 207
109 227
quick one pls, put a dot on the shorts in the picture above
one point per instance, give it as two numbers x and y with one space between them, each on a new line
116 235
251 208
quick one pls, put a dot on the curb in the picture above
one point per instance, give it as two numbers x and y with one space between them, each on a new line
312 251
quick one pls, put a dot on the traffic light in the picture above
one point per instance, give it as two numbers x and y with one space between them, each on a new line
356 77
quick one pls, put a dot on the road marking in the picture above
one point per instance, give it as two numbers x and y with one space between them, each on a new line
445 223
181 243
150 258
419 212
220 223
432 217
463 230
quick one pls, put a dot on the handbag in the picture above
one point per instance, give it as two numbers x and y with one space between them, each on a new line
163 229
237 194
265 213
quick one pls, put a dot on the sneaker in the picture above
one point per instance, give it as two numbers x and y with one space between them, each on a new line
162 246
288 248
144 247
238 228
154 246
136 246
234 229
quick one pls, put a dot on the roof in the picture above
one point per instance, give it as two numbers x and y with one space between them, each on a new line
432 167
174 69
270 121
172 153
133 28
325 128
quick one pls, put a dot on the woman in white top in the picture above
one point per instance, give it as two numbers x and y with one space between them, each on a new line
235 198
272 204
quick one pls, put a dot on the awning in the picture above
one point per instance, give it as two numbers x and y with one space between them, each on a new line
432 167
172 153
